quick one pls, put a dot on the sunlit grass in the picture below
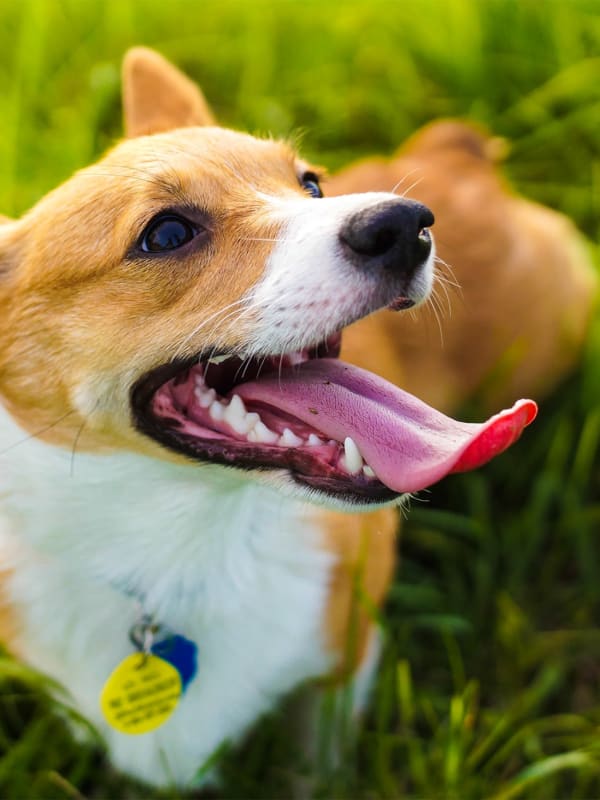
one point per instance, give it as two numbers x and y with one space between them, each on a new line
490 681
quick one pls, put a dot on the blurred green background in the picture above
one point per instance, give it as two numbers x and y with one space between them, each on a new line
490 684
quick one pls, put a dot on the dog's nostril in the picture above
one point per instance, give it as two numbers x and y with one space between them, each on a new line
425 237
389 234
425 217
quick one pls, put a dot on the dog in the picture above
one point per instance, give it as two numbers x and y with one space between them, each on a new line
193 483
517 288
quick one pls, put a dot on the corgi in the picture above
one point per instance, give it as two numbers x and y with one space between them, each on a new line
190 476
516 289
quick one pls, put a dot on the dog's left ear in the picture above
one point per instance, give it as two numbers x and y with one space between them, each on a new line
157 97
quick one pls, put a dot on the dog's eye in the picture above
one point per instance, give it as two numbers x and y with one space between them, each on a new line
310 184
167 233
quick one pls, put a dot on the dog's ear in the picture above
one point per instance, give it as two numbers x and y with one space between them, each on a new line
158 97
457 136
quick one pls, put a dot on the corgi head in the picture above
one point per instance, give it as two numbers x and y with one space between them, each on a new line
183 298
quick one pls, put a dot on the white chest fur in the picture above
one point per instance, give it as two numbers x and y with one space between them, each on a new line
232 565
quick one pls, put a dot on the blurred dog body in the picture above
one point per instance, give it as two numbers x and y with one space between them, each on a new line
516 285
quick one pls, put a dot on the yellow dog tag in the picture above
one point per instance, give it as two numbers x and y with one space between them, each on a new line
140 694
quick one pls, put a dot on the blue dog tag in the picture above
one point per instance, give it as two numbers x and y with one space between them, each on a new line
181 653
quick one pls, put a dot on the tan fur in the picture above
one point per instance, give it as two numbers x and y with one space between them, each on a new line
158 97
9 618
516 323
365 545
137 312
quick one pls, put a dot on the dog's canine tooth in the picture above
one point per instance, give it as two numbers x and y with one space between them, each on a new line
353 458
261 434
236 410
289 439
236 416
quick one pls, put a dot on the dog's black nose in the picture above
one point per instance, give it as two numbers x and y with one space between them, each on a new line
390 235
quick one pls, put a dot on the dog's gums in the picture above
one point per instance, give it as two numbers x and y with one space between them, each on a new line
334 427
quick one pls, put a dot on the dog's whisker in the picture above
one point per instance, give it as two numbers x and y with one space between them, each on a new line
260 239
236 316
76 441
448 267
405 177
433 304
216 317
241 371
442 285
448 303
37 433
439 322
228 316
279 370
413 185
441 278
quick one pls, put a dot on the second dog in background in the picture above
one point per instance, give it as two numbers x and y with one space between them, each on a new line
521 287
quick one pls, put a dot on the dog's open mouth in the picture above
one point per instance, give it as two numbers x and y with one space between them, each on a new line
332 426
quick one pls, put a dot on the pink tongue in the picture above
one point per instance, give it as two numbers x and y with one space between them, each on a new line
408 444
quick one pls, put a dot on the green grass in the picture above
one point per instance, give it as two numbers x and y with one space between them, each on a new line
490 684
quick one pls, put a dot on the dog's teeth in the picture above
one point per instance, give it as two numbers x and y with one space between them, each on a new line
237 405
235 410
252 418
289 439
236 416
205 397
353 458
314 440
260 433
216 411
368 471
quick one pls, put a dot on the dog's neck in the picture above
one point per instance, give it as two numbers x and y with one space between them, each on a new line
175 538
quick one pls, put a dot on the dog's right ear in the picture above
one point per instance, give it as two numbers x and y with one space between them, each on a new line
157 97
